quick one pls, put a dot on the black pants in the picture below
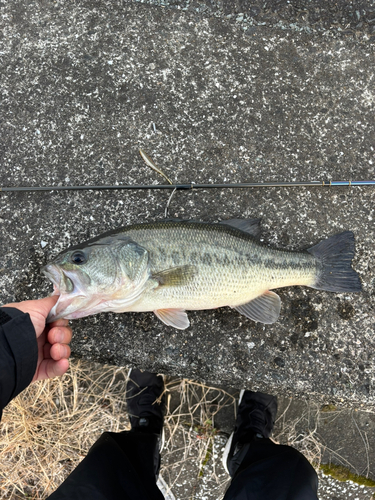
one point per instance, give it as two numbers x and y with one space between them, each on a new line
121 466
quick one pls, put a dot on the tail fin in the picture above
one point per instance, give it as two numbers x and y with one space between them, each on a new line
335 255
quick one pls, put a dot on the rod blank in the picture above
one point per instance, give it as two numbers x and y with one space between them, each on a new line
190 186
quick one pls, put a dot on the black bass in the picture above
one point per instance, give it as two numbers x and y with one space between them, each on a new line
174 266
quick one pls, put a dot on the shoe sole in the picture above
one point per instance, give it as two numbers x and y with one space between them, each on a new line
162 441
165 489
227 448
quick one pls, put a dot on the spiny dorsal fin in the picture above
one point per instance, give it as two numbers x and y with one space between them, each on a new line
175 276
250 226
265 308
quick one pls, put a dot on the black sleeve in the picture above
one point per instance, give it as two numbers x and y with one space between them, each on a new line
18 353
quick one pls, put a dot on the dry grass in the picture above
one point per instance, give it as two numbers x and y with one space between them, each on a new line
48 429
301 433
190 423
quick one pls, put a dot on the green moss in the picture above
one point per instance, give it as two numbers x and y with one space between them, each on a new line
207 432
329 407
343 474
206 458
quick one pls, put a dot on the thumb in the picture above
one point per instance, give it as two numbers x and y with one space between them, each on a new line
41 306
44 305
38 310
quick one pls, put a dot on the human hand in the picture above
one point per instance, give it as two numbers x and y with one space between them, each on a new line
52 339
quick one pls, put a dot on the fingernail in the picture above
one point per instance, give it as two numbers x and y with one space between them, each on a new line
59 336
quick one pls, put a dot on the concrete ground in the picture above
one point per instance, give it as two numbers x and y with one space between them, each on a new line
214 92
325 434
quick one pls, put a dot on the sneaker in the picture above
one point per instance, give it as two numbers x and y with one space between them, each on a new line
255 420
146 401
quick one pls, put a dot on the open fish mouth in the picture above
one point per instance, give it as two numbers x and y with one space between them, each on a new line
61 282
74 300
71 297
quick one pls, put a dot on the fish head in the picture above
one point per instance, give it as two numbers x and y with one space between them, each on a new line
105 275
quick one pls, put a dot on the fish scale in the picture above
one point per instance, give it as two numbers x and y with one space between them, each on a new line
238 268
173 266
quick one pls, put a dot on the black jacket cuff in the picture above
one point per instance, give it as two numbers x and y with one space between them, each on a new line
18 353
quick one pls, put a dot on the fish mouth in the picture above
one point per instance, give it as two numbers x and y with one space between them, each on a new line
61 282
71 298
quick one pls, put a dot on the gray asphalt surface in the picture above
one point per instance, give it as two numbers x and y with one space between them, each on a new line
214 92
83 89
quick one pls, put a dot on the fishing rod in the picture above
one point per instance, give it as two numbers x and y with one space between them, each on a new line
186 186
189 186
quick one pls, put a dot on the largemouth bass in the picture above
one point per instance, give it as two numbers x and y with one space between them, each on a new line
174 266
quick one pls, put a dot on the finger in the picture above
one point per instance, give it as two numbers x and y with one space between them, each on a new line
49 368
46 351
59 322
45 304
42 306
38 310
59 351
60 335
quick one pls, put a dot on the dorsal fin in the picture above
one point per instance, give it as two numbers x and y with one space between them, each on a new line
250 226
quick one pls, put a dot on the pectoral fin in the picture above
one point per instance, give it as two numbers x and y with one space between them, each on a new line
175 276
265 308
173 317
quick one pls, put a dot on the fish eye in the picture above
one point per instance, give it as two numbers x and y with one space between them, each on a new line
78 257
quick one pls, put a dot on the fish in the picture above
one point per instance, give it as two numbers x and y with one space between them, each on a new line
170 267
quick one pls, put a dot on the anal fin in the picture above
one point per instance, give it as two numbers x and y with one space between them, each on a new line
265 308
173 317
